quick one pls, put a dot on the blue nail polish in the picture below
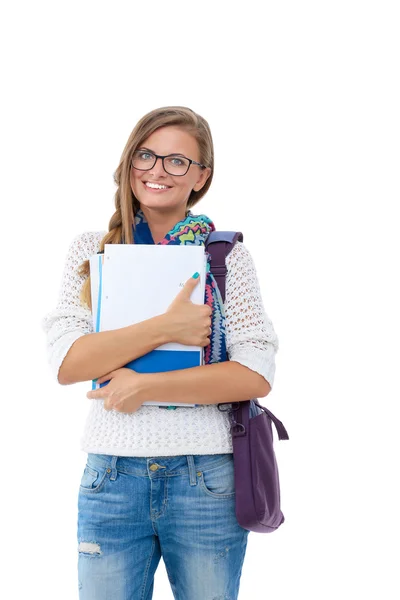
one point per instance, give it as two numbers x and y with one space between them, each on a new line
196 275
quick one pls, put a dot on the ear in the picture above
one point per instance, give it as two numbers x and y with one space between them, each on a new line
204 175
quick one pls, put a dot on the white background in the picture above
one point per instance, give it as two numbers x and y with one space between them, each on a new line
303 102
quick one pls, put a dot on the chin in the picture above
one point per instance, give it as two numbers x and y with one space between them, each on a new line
161 204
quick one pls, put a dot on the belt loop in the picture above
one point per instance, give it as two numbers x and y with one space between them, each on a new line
192 470
113 476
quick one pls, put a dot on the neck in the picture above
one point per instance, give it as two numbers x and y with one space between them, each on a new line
161 222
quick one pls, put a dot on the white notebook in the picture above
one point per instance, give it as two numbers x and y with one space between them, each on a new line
134 282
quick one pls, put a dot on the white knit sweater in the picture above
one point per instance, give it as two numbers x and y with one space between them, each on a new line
151 431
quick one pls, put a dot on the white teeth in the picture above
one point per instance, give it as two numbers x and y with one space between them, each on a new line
156 186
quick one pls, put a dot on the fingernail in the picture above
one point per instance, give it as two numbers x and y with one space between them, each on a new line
196 275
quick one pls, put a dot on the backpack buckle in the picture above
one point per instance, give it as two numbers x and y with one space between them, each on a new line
219 270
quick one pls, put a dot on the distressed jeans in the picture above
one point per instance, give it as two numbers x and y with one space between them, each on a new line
132 511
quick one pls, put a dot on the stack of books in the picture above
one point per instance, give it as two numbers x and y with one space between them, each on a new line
134 282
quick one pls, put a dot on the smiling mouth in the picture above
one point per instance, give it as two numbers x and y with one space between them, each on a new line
156 186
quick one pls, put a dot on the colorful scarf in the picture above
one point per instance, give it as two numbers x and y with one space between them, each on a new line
194 230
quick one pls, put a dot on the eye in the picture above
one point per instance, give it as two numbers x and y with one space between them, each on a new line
176 161
143 155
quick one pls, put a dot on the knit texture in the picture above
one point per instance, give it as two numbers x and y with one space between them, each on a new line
151 431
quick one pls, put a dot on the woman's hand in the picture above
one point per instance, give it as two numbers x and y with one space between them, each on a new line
189 323
124 393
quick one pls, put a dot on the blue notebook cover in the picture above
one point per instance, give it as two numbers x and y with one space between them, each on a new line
160 361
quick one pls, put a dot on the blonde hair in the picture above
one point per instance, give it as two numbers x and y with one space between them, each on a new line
126 204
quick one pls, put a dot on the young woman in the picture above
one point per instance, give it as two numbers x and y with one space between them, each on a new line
160 482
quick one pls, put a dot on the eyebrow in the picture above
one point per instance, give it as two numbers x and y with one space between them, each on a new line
172 153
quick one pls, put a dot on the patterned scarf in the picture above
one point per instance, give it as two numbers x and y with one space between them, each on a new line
194 230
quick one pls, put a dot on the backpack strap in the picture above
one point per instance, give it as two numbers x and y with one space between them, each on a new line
219 244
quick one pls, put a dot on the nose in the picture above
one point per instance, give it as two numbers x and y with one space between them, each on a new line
158 168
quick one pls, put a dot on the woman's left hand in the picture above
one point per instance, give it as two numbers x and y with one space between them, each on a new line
124 393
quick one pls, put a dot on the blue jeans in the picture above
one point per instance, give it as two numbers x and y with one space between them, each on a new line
132 511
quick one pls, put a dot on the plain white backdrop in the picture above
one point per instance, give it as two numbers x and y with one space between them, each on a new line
303 102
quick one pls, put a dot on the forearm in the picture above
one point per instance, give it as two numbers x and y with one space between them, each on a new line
95 354
228 381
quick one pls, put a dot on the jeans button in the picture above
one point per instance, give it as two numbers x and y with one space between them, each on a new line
153 467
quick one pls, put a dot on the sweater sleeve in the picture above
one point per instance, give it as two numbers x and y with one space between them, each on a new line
250 336
70 319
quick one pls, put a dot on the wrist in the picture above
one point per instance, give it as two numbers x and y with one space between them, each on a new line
163 328
146 387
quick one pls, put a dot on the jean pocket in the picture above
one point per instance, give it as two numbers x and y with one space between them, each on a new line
219 482
92 479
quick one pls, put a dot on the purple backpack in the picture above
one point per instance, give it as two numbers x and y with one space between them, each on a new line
255 467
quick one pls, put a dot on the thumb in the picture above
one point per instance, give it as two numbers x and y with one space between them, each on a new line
188 288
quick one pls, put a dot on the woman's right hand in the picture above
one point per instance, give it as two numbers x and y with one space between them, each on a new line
189 323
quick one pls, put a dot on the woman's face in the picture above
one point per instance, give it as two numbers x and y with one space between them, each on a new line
164 141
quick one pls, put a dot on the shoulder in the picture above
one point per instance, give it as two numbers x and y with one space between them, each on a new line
238 255
86 244
88 239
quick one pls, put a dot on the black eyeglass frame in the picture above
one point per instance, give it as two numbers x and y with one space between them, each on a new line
157 156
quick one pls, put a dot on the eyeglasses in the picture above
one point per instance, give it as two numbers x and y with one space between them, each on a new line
173 164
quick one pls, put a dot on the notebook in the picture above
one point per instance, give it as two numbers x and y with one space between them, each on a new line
134 282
